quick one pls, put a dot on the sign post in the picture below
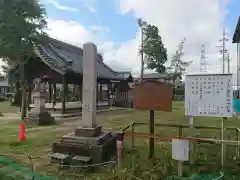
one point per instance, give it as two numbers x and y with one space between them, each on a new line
180 152
152 96
151 130
210 95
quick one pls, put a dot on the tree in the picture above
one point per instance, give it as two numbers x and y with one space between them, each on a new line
130 78
7 66
152 48
21 26
100 56
178 66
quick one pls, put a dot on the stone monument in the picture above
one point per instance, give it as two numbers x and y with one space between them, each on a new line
88 142
39 114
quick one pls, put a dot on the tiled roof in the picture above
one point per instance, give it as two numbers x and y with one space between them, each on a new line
124 74
236 35
63 57
158 75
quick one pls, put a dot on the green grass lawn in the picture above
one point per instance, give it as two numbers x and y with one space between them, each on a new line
135 163
5 107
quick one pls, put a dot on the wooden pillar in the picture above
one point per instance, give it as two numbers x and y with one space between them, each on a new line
53 100
151 132
97 96
100 92
64 93
108 94
29 93
80 92
49 92
54 93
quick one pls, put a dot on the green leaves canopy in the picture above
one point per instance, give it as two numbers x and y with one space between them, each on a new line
153 47
177 64
21 25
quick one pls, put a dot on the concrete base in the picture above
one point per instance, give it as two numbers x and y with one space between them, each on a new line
71 138
88 132
44 118
93 143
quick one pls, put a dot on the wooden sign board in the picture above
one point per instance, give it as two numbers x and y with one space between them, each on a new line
153 95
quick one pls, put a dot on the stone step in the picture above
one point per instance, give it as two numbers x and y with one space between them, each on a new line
81 159
59 158
89 141
71 148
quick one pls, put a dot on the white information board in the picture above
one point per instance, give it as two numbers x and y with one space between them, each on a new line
209 95
180 149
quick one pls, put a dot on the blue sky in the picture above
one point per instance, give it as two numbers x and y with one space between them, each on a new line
232 16
112 24
107 13
122 27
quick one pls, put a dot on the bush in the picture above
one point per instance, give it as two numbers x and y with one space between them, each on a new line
178 97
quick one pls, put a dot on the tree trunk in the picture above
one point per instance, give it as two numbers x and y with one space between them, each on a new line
174 86
23 86
17 96
142 62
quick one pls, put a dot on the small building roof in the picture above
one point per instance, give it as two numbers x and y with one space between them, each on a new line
63 57
236 35
158 75
125 74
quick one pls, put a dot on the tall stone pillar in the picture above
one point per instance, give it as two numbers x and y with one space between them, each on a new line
89 85
88 142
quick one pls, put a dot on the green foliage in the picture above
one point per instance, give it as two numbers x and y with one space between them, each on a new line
153 48
177 64
130 78
21 25
8 66
178 97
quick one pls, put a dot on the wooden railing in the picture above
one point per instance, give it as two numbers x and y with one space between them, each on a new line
180 129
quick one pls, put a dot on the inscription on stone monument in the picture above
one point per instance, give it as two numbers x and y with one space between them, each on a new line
89 85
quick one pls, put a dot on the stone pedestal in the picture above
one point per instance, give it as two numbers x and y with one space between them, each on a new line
39 114
93 144
88 144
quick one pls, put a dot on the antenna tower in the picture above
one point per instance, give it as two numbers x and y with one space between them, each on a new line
223 49
203 63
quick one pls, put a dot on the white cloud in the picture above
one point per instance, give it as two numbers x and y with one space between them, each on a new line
68 31
57 5
75 33
91 5
200 21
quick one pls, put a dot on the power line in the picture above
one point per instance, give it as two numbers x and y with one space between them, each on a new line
203 63
223 49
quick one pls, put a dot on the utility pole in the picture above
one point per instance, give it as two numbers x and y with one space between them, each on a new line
203 63
228 62
223 49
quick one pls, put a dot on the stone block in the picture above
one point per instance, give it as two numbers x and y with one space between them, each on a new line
98 152
81 160
89 141
43 118
60 158
103 152
71 149
88 131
